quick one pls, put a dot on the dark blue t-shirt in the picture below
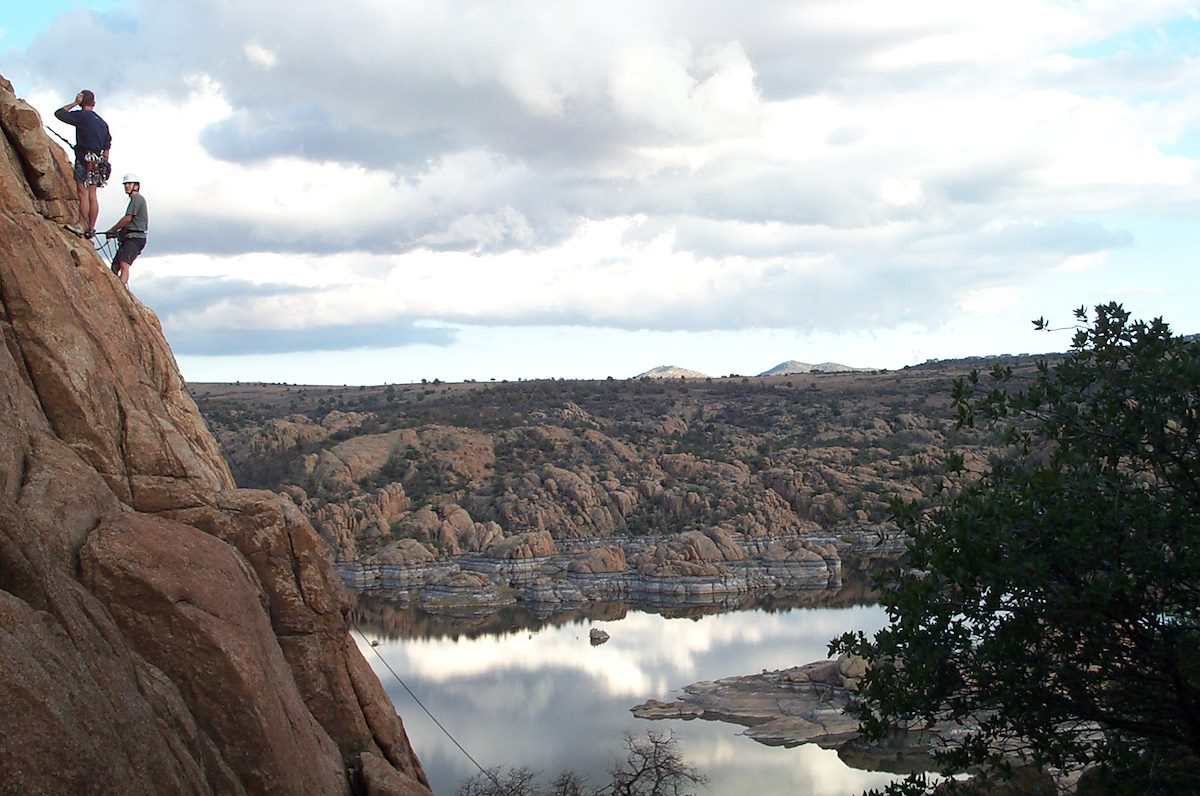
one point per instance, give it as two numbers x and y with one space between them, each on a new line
91 132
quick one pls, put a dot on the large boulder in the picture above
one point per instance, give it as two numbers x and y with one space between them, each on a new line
43 168
523 546
599 560
192 606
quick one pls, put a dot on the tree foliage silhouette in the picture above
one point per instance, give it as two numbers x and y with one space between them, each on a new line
1050 611
652 766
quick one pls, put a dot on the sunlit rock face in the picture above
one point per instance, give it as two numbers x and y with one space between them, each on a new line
160 630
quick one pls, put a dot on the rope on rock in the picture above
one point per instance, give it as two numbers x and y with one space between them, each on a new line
499 785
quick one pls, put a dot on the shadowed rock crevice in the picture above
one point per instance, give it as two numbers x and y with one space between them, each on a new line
162 632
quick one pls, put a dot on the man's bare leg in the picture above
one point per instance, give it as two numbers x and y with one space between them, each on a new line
85 194
93 208
123 272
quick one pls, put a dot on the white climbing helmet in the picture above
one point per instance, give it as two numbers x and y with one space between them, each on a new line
131 177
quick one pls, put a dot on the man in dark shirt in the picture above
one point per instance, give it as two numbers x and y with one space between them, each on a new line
92 143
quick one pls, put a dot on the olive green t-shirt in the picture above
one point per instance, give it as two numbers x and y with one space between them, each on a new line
140 221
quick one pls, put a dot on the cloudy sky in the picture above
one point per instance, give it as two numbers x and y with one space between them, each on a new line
387 190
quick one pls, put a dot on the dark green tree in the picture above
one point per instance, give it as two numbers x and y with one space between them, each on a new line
1049 612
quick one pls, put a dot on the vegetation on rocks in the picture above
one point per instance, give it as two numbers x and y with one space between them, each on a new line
455 467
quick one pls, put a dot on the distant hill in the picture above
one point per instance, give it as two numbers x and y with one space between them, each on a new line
671 372
792 366
985 362
782 369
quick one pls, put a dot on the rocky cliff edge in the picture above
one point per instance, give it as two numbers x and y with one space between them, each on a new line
161 631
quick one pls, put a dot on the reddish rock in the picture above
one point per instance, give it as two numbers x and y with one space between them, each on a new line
598 560
75 699
191 605
307 610
160 631
713 544
674 560
460 579
402 551
43 166
479 536
380 779
536 544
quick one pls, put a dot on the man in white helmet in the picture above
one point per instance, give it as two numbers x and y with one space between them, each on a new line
131 228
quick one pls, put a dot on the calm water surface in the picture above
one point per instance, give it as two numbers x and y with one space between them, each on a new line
519 691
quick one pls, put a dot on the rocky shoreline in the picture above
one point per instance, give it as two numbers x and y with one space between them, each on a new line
807 704
706 569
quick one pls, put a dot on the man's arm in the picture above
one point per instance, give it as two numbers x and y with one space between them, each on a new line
125 219
63 115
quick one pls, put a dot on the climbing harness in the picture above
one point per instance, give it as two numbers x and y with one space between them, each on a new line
97 167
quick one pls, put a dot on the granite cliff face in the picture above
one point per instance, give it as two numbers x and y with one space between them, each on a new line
161 631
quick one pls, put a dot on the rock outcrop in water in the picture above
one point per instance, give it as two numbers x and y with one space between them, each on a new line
804 704
160 630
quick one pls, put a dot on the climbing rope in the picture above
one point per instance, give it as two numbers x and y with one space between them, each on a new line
60 138
107 249
499 785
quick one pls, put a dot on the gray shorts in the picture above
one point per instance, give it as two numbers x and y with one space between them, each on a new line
129 249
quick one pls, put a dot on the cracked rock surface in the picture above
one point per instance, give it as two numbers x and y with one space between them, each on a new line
161 631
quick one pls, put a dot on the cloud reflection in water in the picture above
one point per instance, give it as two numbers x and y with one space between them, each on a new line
545 698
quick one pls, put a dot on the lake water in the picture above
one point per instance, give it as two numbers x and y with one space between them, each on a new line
519 690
